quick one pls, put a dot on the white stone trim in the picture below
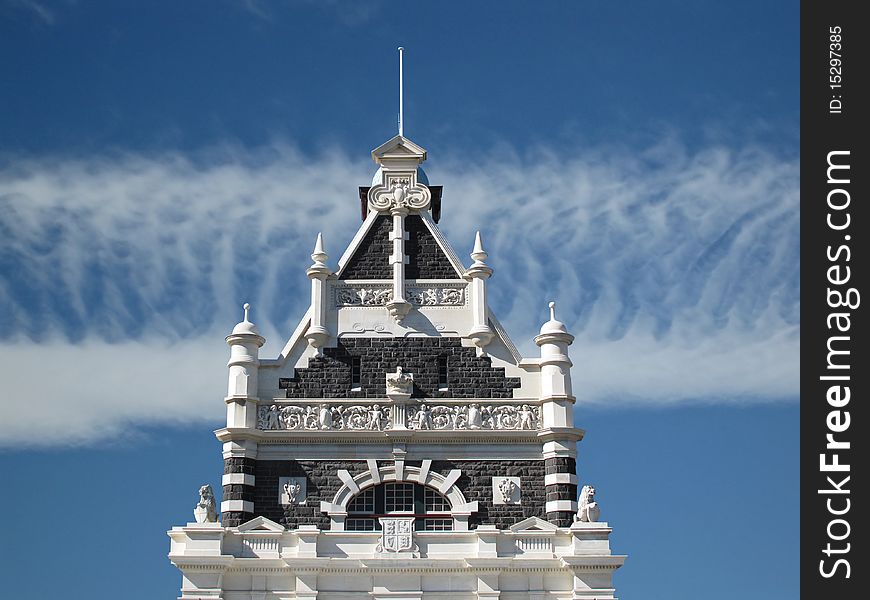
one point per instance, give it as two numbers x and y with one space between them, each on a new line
449 481
502 333
373 469
561 506
424 471
465 509
332 509
260 526
533 524
399 465
554 478
237 505
291 343
238 479
445 485
346 478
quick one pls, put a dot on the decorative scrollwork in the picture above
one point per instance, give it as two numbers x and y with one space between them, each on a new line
473 416
324 417
379 417
353 295
399 191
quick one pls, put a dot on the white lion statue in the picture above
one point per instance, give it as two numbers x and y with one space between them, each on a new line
205 510
588 511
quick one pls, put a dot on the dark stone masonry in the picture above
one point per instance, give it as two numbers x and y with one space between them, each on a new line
475 483
372 258
245 466
560 465
561 491
425 258
468 376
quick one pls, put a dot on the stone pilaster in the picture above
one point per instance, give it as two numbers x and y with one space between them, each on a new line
560 479
239 486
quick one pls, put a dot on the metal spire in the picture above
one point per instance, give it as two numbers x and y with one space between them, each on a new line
401 96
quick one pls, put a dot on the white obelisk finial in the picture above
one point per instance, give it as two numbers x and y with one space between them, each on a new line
401 96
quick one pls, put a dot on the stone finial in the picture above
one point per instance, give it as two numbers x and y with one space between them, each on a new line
319 269
205 510
478 253
588 510
478 269
245 328
553 327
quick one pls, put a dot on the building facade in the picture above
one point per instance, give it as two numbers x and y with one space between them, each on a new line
399 447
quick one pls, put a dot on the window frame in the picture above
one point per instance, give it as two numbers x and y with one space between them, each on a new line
431 510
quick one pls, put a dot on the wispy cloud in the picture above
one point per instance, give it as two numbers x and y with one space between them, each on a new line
36 10
119 276
348 12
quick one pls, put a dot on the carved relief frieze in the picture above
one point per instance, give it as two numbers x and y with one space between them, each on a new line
379 417
473 416
324 416
381 295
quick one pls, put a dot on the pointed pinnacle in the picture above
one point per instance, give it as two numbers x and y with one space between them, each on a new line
319 256
552 306
478 253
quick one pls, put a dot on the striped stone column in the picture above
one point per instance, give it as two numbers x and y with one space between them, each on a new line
238 482
560 481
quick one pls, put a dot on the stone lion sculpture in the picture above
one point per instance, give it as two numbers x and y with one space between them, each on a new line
588 510
205 510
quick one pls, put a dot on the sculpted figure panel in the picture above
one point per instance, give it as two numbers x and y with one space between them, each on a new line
474 416
381 295
324 417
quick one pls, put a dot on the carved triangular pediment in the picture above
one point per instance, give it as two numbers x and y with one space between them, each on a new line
398 147
534 524
261 524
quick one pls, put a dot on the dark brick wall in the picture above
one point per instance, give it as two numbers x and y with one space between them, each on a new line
239 465
235 518
468 376
561 491
322 482
425 258
475 483
237 491
372 259
560 465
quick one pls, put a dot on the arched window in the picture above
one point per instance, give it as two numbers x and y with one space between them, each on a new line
430 509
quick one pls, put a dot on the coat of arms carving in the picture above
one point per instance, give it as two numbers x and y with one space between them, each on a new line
397 535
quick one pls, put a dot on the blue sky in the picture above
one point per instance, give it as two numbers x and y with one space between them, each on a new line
162 163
